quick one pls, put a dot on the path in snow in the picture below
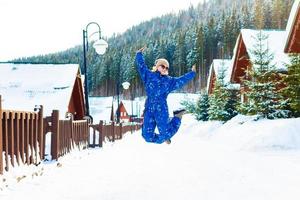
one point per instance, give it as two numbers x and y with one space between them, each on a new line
190 168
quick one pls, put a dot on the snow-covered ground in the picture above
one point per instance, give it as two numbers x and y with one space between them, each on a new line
241 159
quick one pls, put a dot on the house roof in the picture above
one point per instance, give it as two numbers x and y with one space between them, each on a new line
133 107
275 43
217 66
291 25
23 86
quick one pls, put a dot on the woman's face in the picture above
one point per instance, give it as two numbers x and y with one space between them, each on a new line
163 70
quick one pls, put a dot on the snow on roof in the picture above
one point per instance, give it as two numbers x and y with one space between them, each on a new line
275 43
133 107
291 21
222 65
219 65
22 86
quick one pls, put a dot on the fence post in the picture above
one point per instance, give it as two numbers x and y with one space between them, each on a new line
100 133
1 139
41 136
55 134
94 137
113 131
121 131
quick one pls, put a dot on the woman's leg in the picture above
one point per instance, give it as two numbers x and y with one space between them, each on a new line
167 128
149 127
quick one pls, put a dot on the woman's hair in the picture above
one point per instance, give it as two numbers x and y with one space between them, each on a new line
159 62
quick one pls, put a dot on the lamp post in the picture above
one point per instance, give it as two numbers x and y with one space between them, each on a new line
100 47
126 86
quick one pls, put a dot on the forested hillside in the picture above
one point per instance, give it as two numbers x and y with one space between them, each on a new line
197 35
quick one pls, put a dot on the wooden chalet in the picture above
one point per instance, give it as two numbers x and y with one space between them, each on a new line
243 54
55 87
293 30
217 67
130 110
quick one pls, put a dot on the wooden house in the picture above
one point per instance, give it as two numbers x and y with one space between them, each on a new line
292 44
55 87
217 67
130 110
243 56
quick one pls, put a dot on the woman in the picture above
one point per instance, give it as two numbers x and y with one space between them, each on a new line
158 84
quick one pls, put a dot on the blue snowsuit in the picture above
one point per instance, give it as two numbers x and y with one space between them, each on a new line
156 112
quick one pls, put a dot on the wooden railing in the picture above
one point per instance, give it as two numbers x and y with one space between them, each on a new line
22 135
21 138
110 132
66 134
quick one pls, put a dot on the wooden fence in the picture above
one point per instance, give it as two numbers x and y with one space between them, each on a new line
22 135
66 134
110 131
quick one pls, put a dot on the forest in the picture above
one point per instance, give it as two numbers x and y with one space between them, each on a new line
194 36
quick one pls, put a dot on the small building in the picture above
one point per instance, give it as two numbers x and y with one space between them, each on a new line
130 110
292 44
54 86
243 56
217 67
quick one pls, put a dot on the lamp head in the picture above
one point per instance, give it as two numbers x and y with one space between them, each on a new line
126 85
100 46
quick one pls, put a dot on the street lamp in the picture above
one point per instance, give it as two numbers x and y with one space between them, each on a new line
126 86
100 47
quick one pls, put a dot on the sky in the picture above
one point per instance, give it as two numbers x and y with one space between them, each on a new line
35 27
239 159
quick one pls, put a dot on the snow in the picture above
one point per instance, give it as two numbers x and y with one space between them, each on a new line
22 86
222 65
275 42
134 107
100 108
240 159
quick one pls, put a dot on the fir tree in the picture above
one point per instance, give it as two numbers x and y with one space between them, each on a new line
292 90
258 14
218 101
202 106
263 97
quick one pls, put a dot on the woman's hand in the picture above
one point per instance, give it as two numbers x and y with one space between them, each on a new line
194 68
142 49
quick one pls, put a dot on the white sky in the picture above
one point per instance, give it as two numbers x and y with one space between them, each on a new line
35 27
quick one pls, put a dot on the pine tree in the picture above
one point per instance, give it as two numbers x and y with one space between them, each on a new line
267 15
180 54
258 14
218 100
202 106
292 91
277 14
246 16
263 97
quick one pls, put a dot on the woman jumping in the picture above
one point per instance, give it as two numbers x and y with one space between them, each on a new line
158 84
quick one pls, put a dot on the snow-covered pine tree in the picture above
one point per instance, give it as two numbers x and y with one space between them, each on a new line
189 106
292 89
202 106
231 105
219 99
263 97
